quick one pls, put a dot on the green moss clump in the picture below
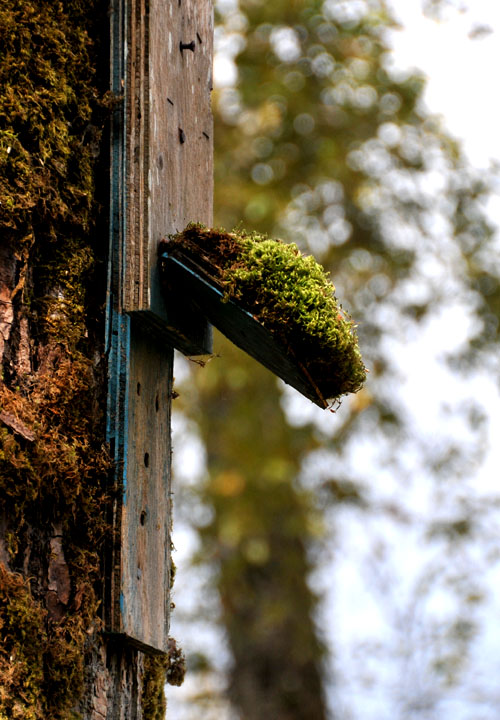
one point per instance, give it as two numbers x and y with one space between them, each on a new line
159 669
55 478
40 668
176 669
47 99
290 294
22 628
54 470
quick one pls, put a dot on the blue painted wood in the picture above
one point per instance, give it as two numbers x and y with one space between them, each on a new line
138 431
155 191
193 288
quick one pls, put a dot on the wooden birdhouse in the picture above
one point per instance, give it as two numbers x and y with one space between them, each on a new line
169 276
161 178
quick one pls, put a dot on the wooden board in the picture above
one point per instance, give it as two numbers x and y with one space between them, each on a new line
161 179
169 150
237 324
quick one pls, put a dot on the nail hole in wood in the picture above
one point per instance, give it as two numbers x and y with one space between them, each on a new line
146 459
157 403
182 136
143 517
187 46
138 388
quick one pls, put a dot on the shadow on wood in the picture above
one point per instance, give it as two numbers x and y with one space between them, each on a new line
193 288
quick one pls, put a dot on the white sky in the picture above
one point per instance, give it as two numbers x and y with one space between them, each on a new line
462 70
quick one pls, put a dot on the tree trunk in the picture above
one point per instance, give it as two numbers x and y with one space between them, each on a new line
57 485
257 539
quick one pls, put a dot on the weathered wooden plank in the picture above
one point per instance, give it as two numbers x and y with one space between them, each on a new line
135 287
238 325
169 149
145 566
161 167
182 127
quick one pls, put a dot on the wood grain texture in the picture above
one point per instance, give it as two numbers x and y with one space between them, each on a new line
161 167
146 511
135 287
169 142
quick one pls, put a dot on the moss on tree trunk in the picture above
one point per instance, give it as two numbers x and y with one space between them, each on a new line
56 479
54 468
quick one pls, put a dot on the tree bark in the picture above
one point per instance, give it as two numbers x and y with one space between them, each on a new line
56 482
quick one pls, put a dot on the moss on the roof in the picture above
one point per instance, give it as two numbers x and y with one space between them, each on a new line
287 292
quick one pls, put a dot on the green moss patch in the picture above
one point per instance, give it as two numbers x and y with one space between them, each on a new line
288 293
53 474
159 669
54 470
47 98
22 629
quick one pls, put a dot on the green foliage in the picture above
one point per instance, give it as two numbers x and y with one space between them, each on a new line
293 120
322 142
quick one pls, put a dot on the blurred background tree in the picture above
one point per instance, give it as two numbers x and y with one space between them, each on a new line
320 140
